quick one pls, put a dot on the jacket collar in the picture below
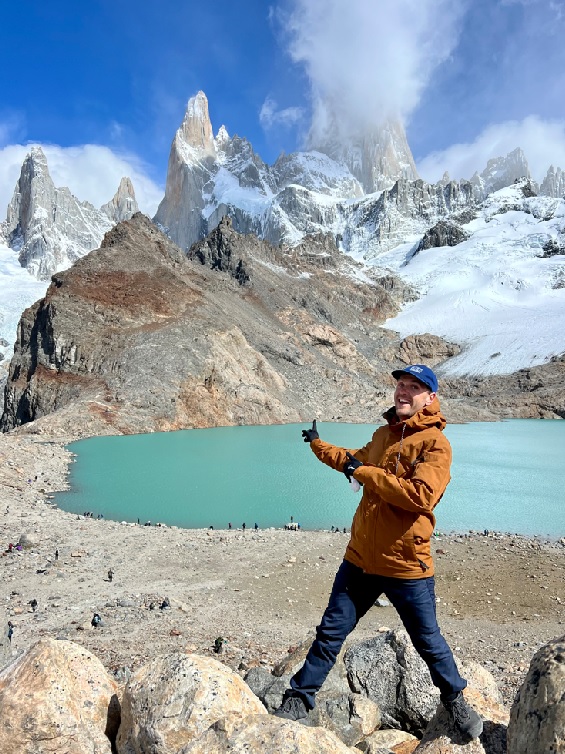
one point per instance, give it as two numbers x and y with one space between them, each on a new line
429 416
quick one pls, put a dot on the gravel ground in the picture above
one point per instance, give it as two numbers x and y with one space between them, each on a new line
500 596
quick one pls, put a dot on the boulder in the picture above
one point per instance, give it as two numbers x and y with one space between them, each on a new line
57 696
259 734
537 718
389 671
349 716
385 740
174 699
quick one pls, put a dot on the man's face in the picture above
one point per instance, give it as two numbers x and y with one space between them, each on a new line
411 396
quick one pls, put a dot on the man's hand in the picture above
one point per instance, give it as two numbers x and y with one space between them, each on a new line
311 434
350 465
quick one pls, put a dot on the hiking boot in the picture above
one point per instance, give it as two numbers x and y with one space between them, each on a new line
292 707
464 718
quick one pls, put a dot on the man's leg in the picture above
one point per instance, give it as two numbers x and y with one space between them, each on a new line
415 602
353 593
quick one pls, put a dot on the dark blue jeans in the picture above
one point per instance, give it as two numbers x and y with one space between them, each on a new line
353 593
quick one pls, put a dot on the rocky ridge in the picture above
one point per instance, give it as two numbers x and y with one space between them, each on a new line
137 337
365 193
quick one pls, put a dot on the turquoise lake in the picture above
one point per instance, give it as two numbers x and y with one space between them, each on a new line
506 476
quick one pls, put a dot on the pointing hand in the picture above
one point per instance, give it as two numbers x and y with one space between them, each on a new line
311 434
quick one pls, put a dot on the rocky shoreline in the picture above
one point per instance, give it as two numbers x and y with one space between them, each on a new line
499 595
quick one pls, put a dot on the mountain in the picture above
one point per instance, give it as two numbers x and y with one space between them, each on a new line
49 227
496 285
138 337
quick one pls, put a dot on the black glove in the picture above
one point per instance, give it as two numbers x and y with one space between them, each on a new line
311 434
350 466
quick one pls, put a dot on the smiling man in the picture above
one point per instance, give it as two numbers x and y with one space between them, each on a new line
404 471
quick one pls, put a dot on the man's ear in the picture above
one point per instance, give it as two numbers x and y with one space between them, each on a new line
430 399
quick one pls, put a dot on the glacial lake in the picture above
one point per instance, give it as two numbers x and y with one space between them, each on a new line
506 476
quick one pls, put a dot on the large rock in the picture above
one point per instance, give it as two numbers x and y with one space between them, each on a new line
537 718
174 699
389 671
267 735
57 697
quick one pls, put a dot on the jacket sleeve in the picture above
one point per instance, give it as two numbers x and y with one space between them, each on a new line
421 491
334 456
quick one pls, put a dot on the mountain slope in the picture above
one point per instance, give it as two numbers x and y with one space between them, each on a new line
500 294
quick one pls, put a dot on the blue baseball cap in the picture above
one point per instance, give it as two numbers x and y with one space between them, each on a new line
421 372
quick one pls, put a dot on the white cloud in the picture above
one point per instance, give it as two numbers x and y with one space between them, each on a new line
90 171
369 61
270 115
542 141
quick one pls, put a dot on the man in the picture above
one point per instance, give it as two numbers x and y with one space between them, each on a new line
404 471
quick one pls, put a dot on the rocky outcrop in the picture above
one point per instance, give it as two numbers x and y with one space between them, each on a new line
123 205
57 697
135 337
537 718
48 226
443 233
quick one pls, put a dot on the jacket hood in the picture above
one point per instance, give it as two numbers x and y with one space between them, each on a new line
429 416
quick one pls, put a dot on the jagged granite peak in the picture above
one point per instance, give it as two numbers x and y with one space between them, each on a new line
192 162
501 172
195 131
48 226
554 183
377 159
123 205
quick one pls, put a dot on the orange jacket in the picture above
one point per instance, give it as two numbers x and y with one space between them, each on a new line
405 474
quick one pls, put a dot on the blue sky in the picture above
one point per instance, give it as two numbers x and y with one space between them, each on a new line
471 79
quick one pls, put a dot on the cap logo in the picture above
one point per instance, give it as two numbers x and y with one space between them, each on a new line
416 369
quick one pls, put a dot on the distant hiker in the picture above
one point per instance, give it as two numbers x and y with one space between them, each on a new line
165 604
219 645
291 519
344 530
33 604
243 526
110 574
404 470
332 529
210 527
56 554
255 527
10 632
229 525
96 620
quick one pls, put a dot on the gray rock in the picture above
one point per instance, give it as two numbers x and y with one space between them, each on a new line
537 717
390 672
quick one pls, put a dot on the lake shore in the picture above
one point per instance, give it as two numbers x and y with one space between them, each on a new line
500 595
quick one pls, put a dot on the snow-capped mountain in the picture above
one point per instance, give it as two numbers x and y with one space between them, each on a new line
500 294
485 253
49 227
367 195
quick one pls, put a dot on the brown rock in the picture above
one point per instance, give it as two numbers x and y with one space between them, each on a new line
174 699
57 697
